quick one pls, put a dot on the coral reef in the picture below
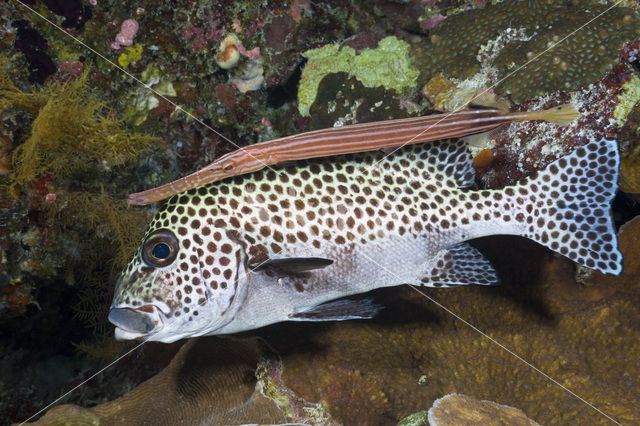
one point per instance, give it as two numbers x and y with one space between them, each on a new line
210 380
68 155
581 59
522 148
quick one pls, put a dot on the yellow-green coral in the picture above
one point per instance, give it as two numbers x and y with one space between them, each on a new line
629 97
11 96
130 55
387 65
70 134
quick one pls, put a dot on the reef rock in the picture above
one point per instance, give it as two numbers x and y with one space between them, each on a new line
456 409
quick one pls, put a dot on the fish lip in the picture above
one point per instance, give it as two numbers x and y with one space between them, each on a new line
151 313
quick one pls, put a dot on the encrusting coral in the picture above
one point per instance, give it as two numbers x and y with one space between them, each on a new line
387 65
581 59
456 409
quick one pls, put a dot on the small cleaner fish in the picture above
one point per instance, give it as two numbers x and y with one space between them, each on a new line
266 247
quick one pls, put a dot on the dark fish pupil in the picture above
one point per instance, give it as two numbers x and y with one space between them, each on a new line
161 251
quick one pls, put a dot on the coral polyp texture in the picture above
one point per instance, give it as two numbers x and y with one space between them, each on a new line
590 49
209 381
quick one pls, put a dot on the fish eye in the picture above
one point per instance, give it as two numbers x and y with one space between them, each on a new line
161 251
160 248
227 167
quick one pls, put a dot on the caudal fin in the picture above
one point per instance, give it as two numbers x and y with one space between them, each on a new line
562 114
569 206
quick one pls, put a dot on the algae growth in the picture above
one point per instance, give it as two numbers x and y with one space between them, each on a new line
70 134
62 168
387 65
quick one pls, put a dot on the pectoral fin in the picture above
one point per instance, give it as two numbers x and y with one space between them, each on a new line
293 265
339 310
484 139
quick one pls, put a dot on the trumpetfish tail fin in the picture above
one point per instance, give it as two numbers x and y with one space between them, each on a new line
561 114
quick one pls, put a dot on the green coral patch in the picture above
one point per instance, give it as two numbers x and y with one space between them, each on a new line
387 65
629 97
591 47
130 55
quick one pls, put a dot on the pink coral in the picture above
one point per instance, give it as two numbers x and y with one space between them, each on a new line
297 6
432 22
253 53
128 31
70 69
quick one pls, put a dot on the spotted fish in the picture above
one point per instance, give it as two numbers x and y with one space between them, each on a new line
294 242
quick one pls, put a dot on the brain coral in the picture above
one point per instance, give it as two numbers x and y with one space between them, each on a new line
210 381
582 59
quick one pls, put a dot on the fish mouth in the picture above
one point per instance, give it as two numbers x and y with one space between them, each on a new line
133 323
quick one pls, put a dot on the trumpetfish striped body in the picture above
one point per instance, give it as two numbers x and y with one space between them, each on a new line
347 140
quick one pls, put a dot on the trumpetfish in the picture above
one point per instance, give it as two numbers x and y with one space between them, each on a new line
350 139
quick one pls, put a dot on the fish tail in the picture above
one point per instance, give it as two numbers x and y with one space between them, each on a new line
567 206
562 114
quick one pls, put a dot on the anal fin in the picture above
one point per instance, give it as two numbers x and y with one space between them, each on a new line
460 265
338 310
